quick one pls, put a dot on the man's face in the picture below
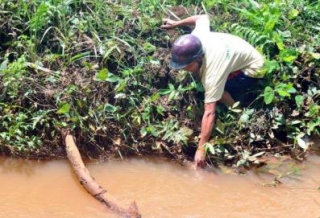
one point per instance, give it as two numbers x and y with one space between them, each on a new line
194 66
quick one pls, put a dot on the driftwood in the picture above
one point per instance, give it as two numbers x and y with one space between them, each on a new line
88 182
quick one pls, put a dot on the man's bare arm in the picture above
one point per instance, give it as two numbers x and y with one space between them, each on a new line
170 24
207 122
207 125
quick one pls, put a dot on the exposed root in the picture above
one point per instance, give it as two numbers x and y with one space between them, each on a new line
89 183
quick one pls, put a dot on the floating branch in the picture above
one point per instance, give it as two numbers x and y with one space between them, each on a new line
89 183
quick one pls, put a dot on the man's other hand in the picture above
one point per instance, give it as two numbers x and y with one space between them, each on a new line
169 24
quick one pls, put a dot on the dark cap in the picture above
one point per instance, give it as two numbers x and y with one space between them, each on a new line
186 49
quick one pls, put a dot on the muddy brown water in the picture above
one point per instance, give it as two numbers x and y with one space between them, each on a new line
32 189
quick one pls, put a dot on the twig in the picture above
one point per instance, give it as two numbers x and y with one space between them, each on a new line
37 67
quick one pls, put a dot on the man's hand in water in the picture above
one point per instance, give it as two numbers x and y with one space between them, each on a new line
200 158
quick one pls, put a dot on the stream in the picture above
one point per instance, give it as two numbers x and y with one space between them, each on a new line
282 188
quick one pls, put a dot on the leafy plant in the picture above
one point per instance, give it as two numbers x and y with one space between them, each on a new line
101 70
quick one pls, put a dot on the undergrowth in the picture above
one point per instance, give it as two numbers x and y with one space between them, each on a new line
100 69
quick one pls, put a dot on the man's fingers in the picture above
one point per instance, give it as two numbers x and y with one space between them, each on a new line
165 20
203 164
200 164
167 23
166 26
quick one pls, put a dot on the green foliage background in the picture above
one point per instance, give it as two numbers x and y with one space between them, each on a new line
100 69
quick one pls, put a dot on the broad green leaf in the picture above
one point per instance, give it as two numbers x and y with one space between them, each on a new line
296 122
289 58
315 55
268 95
286 87
313 124
291 90
271 66
4 65
280 45
172 95
164 91
241 162
302 143
288 55
112 78
293 13
258 154
171 86
65 108
244 118
220 126
314 110
270 24
120 96
64 124
148 47
110 108
155 97
152 130
209 147
254 4
121 86
283 93
285 34
249 111
75 21
160 110
299 100
236 110
36 120
236 104
143 132
102 75
155 62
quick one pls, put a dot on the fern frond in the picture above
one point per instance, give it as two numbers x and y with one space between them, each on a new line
253 37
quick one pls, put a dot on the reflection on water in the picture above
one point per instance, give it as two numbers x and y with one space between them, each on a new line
21 167
161 189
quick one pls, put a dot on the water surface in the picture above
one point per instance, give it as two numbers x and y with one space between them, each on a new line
34 189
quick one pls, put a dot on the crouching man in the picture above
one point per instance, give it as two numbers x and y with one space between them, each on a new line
225 63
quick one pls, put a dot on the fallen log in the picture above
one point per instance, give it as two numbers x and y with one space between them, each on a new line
92 187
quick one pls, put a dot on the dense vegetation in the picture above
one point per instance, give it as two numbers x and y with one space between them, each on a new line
100 69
